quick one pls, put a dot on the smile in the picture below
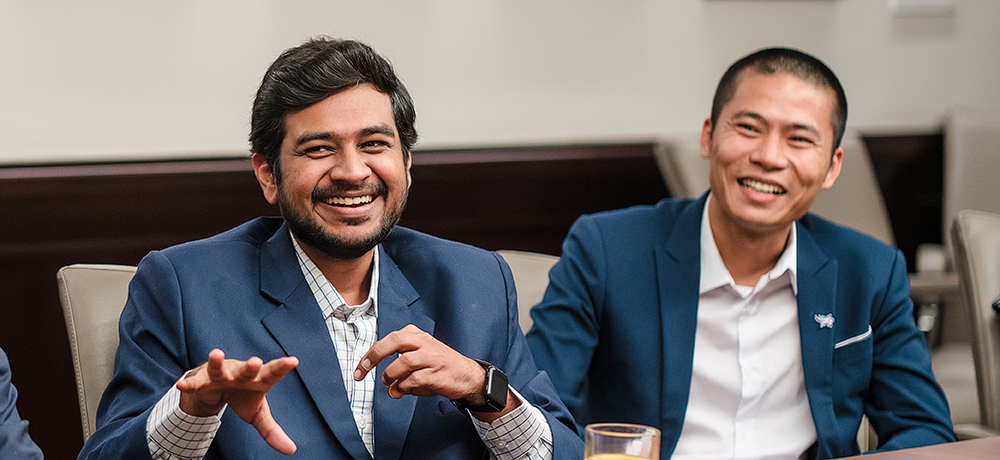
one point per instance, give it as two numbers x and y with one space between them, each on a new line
761 187
351 201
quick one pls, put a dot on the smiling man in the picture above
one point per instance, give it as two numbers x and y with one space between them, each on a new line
349 337
740 325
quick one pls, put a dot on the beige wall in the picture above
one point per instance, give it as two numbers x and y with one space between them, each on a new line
123 79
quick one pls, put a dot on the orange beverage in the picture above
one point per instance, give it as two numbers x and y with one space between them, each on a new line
621 441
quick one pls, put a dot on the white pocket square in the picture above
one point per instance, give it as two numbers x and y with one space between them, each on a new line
857 338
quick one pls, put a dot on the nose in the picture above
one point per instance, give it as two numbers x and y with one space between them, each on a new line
350 166
770 153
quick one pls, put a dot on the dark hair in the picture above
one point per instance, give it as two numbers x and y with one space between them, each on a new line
317 69
770 61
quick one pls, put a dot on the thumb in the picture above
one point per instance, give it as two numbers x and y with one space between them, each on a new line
272 433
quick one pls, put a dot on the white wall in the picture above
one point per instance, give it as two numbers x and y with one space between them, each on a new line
125 79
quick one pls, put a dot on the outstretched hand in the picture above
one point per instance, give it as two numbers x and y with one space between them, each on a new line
242 385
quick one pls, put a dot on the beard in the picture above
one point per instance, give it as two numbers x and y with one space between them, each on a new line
310 232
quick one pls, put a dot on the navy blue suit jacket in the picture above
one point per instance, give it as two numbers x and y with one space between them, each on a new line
616 327
14 440
242 291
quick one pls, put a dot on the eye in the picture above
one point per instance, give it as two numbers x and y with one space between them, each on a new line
801 141
374 146
317 151
747 128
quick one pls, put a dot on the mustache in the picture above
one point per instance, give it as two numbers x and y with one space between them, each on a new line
377 188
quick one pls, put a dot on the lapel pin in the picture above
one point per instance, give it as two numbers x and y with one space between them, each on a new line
824 320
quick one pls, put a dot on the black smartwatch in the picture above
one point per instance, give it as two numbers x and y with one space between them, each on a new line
494 391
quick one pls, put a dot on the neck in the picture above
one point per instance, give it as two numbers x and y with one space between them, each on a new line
352 277
747 254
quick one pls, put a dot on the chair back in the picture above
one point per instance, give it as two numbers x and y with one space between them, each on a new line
971 160
92 299
975 240
531 276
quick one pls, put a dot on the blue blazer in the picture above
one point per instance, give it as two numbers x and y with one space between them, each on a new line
242 291
616 327
14 440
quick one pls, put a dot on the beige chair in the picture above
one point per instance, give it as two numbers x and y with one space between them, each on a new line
531 276
92 298
971 161
975 246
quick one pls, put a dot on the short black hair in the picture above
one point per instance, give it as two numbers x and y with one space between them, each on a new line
770 61
311 72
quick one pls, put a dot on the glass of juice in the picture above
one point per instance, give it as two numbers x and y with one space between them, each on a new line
621 441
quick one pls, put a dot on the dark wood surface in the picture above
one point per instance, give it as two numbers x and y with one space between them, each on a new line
514 198
974 449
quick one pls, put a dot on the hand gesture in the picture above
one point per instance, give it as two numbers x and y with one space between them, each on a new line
427 367
243 386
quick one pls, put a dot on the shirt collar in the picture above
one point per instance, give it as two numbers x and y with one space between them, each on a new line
322 284
713 270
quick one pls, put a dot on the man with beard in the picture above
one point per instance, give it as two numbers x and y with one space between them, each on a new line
350 338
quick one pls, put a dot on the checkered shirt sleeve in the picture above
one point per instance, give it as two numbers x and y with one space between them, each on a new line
521 434
175 435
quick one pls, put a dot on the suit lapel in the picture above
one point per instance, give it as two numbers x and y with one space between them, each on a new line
817 283
396 297
678 270
298 326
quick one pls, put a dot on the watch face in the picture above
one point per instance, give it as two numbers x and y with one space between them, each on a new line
494 391
496 388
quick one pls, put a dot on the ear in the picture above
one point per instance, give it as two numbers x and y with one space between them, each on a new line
409 162
706 138
834 171
265 175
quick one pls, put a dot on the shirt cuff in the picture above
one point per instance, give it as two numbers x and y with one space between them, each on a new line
524 433
173 434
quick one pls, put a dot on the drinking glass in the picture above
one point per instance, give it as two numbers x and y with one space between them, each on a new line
621 441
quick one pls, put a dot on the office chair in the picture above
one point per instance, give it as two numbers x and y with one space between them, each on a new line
531 276
975 246
92 299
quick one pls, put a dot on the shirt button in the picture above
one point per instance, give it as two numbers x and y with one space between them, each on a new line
362 424
501 445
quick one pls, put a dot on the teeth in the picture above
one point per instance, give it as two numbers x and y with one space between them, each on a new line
344 201
761 187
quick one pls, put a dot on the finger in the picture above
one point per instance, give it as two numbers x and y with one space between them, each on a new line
272 433
216 370
277 368
400 369
249 370
393 389
200 376
400 341
421 382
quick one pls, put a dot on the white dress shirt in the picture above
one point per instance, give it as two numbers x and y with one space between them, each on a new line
524 433
748 396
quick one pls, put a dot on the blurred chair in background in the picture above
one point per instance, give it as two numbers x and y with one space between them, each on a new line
971 163
975 246
93 297
531 276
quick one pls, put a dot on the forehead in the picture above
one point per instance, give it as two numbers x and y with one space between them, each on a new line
782 96
349 111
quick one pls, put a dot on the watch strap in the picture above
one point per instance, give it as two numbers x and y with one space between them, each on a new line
494 390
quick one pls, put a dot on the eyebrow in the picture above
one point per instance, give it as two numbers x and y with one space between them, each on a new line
760 118
331 136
